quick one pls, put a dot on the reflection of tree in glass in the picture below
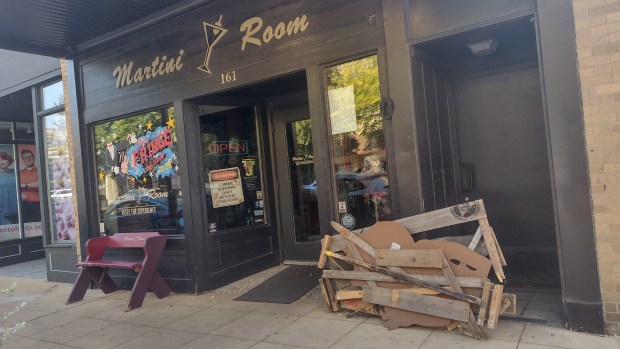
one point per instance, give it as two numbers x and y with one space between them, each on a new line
303 137
56 134
363 75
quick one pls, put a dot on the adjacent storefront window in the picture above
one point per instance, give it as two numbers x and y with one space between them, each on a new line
52 95
233 183
358 143
59 177
138 177
20 212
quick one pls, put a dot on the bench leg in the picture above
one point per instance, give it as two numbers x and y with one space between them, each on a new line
138 292
79 288
159 286
102 279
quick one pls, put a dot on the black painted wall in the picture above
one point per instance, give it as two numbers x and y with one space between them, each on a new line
335 30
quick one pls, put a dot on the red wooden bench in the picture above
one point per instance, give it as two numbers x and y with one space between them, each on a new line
95 268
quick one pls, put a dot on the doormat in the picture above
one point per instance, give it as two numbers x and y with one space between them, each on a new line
285 287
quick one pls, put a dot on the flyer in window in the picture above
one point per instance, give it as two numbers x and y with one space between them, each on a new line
226 188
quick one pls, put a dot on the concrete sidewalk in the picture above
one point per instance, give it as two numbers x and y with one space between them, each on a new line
215 320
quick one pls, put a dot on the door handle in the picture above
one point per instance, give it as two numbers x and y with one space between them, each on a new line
467 176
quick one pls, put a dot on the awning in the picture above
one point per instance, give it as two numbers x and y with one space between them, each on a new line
65 28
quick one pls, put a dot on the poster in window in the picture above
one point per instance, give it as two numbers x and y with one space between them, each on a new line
9 227
226 188
29 189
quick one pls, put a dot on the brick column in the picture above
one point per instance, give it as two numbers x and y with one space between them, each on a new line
65 87
597 25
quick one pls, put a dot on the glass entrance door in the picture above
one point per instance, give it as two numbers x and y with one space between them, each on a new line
296 183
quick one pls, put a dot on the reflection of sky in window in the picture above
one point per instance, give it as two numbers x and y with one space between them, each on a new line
53 95
56 128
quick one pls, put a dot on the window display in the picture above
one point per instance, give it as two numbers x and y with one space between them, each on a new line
20 201
358 143
137 174
232 168
59 177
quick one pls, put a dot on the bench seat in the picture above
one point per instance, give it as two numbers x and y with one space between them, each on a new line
135 265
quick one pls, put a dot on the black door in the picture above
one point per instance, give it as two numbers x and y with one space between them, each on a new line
504 160
296 184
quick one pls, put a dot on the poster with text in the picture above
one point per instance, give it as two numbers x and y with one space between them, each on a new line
226 188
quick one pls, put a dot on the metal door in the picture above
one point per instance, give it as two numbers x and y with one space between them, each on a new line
296 183
504 160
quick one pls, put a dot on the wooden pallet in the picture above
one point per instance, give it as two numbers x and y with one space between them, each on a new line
419 284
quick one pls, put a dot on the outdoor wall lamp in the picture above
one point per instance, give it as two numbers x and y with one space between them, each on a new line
483 48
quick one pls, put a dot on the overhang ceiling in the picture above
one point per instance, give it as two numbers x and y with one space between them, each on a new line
64 28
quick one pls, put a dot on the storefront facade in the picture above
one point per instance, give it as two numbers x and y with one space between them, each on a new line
31 91
242 129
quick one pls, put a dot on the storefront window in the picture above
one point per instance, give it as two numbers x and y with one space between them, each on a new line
59 177
138 178
232 168
53 95
358 143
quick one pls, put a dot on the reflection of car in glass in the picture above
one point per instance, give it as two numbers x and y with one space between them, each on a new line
365 195
61 193
145 210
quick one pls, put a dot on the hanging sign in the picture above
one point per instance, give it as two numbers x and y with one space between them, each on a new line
226 188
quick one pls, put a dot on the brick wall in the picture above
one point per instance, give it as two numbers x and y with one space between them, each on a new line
597 24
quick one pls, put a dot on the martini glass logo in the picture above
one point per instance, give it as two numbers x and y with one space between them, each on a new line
213 34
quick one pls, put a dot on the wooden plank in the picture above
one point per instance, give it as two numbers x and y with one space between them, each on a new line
342 294
354 239
486 293
476 239
409 258
495 306
325 245
437 306
331 291
338 243
326 297
372 276
466 212
509 304
491 245
502 259
419 290
406 277
454 284
366 247
356 254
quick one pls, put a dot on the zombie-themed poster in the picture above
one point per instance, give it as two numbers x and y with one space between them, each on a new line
9 227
